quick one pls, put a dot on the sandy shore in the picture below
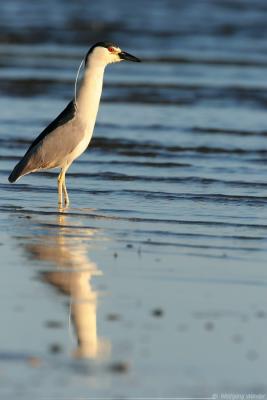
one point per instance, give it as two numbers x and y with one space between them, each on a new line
84 313
153 283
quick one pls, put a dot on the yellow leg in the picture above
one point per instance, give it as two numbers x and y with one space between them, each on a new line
59 187
62 186
66 197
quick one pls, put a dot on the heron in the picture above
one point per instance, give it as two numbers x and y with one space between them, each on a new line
69 135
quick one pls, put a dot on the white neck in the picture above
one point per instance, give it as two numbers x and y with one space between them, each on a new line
89 94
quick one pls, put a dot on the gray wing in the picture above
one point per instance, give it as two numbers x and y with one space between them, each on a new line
65 116
51 147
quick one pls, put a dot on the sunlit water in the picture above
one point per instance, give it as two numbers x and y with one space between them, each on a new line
153 282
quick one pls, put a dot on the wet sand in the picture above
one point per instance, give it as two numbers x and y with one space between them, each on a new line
153 282
85 313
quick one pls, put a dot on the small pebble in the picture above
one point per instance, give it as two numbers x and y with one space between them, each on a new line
157 312
261 314
119 367
115 255
129 246
55 348
209 326
53 324
113 317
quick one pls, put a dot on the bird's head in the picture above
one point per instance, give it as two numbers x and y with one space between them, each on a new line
104 53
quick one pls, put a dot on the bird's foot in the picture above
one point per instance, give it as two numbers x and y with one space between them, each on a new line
66 199
63 206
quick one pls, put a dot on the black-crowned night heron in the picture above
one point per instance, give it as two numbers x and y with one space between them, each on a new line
68 136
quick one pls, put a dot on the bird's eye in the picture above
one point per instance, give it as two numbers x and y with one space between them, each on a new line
111 49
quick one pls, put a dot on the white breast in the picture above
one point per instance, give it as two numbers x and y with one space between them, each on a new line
87 107
82 146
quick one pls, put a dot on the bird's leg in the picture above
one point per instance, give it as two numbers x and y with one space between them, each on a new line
59 186
66 197
62 185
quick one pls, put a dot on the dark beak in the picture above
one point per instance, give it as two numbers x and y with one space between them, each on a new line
126 56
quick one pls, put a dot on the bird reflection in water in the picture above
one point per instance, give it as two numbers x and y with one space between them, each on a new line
73 274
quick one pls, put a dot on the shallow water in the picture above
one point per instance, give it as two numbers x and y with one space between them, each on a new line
153 283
